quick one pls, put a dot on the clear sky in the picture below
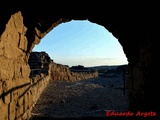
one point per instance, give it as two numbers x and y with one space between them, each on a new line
82 43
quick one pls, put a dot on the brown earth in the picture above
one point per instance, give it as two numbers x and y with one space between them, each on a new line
85 98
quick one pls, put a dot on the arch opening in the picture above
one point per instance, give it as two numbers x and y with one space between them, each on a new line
84 43
72 42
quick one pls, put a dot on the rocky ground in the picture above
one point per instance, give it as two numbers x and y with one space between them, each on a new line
87 98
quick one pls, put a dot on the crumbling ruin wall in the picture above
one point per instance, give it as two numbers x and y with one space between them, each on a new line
14 71
62 72
40 61
18 92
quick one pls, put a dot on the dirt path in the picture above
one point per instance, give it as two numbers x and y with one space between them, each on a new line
91 97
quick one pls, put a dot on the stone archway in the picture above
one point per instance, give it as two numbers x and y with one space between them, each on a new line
21 28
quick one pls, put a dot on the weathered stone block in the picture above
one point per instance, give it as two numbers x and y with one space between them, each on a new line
7 98
26 101
20 101
14 95
17 70
25 71
30 98
3 111
12 110
18 22
19 111
23 43
1 49
36 40
6 71
1 90
7 85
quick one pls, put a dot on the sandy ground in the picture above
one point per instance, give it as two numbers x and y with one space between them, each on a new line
86 98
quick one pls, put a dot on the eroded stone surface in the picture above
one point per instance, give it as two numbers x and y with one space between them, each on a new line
40 62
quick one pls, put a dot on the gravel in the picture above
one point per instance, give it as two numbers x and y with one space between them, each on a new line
85 98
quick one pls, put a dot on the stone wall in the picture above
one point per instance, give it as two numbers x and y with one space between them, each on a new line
14 69
17 98
18 92
17 103
39 63
62 72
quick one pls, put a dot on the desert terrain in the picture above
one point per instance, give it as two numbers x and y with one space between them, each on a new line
79 99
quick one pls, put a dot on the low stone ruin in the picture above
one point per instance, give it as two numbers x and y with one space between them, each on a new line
39 64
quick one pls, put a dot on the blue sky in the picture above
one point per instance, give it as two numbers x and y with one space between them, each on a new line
82 43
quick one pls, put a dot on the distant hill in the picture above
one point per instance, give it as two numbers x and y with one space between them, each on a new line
104 67
107 70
